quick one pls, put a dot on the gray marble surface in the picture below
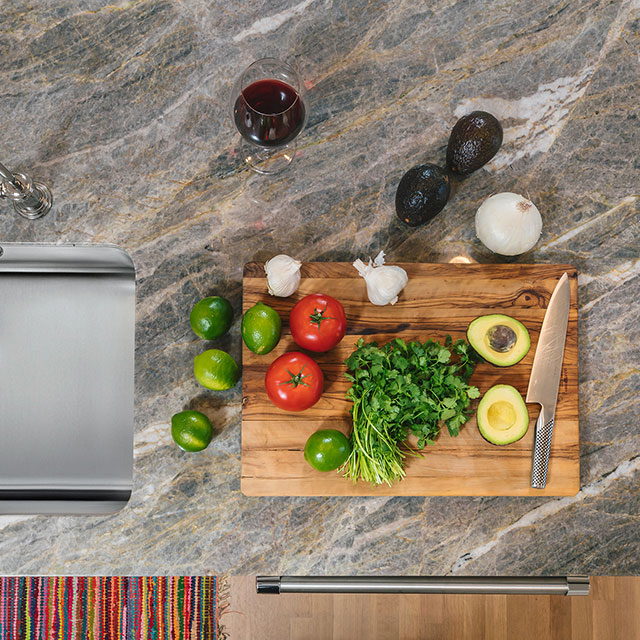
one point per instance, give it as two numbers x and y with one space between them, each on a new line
122 108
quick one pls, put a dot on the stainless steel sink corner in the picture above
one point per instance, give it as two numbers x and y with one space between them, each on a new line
67 322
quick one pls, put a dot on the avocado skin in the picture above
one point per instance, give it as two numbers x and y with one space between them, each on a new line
422 194
477 332
504 393
474 140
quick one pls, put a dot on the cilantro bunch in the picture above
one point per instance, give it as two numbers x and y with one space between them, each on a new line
402 388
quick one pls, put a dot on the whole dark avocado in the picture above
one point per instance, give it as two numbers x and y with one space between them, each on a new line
422 193
474 140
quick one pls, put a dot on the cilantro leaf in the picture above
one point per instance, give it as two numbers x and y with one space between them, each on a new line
399 388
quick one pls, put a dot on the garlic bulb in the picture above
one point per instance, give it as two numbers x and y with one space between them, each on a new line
384 282
283 275
508 224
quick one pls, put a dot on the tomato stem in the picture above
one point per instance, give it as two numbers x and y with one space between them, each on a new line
297 378
318 316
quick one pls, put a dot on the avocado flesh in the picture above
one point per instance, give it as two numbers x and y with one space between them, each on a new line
483 329
502 415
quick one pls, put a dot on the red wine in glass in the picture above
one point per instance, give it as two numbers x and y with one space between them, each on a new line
268 107
269 113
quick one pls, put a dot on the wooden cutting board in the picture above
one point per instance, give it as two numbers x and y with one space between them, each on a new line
439 299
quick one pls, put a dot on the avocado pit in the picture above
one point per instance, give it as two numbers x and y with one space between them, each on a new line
501 338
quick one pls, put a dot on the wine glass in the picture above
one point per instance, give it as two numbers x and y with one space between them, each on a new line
269 111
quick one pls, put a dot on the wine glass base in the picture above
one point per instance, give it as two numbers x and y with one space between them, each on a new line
267 161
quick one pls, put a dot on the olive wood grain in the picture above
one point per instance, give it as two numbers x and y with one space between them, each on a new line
439 299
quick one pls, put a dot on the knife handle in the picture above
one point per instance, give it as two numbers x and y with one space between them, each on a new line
541 449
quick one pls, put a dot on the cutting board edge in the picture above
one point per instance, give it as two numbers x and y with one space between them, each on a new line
552 493
255 269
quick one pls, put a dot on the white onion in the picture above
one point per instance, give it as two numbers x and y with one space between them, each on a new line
508 224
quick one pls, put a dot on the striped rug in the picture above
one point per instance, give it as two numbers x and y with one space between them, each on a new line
112 608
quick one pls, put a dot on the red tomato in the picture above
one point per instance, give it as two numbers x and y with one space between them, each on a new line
318 322
294 381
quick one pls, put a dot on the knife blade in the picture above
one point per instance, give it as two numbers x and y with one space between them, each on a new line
545 376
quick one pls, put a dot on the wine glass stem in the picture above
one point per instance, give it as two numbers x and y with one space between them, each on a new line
268 160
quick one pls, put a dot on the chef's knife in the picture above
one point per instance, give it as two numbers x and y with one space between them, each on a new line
545 376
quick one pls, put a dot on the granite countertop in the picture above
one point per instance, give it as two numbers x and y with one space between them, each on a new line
122 107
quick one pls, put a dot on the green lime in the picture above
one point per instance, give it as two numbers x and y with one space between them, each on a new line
327 449
211 317
191 430
261 328
216 370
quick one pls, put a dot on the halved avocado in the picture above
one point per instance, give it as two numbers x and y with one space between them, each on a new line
502 415
501 340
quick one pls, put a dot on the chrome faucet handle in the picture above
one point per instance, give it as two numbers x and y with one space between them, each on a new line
30 199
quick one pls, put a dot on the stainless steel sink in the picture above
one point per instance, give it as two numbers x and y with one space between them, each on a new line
67 317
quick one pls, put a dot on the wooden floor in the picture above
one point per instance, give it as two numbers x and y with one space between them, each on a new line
611 612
